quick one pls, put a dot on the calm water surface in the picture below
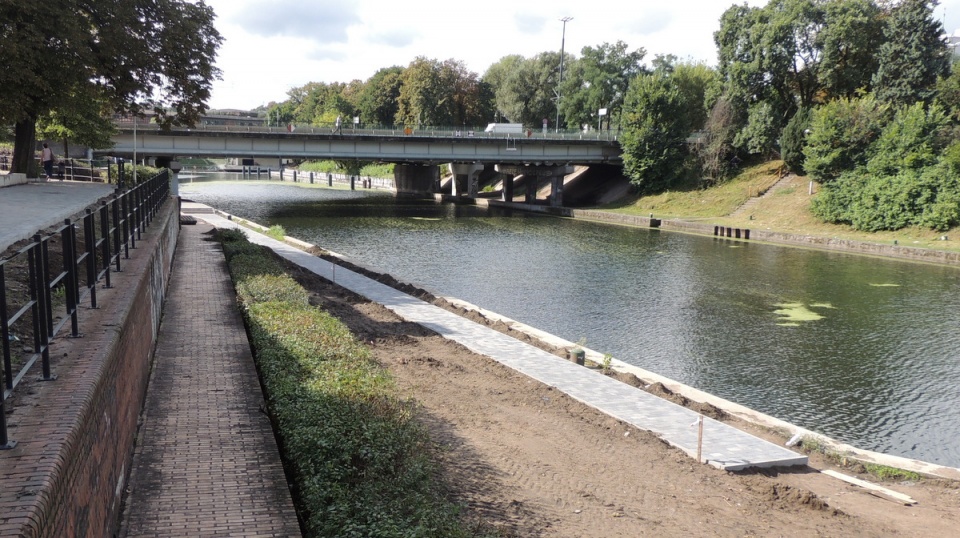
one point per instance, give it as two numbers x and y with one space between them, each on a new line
872 359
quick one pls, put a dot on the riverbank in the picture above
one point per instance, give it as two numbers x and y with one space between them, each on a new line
530 461
778 216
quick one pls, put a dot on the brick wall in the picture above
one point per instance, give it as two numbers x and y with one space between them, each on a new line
75 435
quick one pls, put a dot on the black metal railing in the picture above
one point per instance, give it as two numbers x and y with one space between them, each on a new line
55 294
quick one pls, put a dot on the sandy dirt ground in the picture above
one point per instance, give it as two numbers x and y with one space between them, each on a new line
527 460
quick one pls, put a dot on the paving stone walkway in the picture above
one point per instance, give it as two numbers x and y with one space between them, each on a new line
30 207
723 446
206 463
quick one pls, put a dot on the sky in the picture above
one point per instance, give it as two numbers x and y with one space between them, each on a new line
271 46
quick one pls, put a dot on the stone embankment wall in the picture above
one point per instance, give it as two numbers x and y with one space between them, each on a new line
706 228
75 435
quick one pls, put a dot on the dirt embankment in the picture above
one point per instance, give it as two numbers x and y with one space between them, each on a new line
527 460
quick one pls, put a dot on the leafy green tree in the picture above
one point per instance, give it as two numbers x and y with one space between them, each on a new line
442 93
654 133
793 54
84 120
694 80
378 99
599 79
528 94
913 54
841 133
759 135
851 35
793 139
496 77
156 54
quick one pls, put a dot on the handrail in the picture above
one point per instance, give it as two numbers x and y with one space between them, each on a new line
87 260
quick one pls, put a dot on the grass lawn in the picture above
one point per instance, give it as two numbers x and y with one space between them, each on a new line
786 209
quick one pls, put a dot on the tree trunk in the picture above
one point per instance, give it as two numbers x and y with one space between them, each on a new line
66 149
24 148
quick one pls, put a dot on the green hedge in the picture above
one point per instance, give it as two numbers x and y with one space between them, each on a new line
359 460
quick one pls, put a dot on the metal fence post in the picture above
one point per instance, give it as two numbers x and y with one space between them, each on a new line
90 243
5 331
69 248
106 238
38 281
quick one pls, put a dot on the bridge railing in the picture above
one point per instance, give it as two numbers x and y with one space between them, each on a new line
385 130
330 178
38 299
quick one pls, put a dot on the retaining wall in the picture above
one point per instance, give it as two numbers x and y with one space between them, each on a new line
706 228
75 435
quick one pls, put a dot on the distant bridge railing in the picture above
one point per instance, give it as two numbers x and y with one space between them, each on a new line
385 130
109 230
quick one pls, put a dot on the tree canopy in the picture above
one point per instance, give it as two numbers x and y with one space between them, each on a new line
156 54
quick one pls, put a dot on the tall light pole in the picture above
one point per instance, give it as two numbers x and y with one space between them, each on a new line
563 38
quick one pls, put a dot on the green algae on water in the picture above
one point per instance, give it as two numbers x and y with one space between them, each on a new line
795 313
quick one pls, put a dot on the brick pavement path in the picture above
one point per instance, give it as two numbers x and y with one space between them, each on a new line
206 463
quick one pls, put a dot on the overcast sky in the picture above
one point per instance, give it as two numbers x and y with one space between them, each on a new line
271 46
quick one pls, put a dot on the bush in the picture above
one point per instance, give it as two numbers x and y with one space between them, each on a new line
793 139
841 133
359 461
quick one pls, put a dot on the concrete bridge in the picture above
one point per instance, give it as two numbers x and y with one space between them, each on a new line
416 152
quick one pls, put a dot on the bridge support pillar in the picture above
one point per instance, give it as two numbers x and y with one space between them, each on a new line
533 174
471 174
412 179
506 194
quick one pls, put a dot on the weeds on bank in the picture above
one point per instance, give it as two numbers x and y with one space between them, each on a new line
882 472
359 461
277 232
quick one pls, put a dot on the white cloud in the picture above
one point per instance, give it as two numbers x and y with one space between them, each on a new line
324 22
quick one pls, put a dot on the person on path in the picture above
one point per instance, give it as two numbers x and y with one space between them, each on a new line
46 157
339 122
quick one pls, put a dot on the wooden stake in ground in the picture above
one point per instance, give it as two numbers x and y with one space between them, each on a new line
699 424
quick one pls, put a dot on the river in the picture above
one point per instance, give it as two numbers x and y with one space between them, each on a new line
860 349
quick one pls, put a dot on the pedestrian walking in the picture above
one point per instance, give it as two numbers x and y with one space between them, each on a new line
339 122
46 157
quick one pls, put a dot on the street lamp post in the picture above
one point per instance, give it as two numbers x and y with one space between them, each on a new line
563 39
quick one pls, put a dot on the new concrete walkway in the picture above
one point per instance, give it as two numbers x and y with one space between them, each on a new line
723 446
31 207
206 463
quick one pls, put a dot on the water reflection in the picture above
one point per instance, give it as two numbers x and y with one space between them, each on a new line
879 370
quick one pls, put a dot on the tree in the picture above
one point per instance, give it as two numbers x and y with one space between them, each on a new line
599 79
378 99
84 120
497 76
718 158
528 94
155 54
793 139
654 133
794 54
442 93
850 38
913 55
694 80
